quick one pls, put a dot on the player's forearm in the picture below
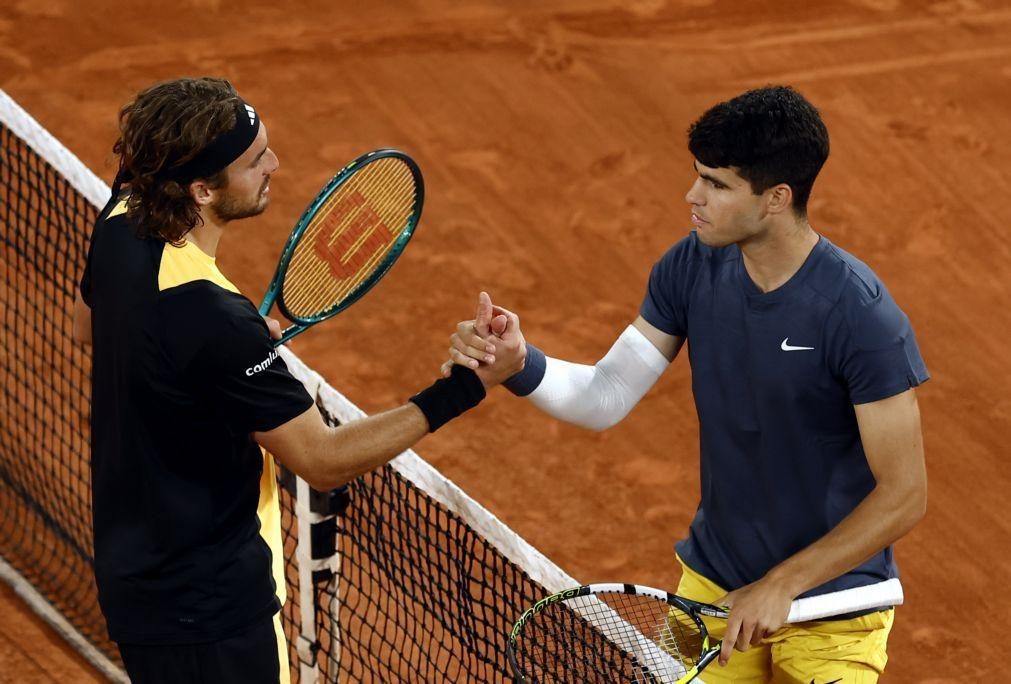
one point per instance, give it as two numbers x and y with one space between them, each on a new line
340 454
353 449
888 513
595 397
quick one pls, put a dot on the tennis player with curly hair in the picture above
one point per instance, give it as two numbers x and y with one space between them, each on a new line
804 372
187 388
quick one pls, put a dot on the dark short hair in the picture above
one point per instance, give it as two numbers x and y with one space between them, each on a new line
769 135
164 127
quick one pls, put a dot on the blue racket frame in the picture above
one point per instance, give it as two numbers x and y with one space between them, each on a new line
274 291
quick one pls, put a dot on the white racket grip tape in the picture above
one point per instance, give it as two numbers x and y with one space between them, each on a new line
879 595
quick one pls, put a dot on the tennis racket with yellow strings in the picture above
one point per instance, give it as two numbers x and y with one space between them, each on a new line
347 239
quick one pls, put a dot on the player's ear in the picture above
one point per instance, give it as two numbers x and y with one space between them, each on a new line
201 192
779 198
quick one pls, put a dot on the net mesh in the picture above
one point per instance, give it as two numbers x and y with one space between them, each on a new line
45 525
419 597
416 591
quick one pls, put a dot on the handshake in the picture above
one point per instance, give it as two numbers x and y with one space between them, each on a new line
491 344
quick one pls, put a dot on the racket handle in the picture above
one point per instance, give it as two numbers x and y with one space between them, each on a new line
880 595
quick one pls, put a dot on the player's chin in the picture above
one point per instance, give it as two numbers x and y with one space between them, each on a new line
709 238
250 210
261 205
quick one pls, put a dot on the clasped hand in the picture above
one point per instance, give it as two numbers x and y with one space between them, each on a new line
491 344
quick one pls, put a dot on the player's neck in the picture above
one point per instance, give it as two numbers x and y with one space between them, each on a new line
206 234
772 258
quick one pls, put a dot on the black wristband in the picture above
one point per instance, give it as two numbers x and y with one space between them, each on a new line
447 398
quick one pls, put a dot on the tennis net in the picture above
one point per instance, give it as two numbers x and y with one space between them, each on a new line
399 577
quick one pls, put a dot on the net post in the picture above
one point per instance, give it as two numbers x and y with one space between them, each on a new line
318 562
326 558
308 639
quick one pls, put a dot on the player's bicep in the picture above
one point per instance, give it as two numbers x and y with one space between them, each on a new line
295 442
667 344
893 442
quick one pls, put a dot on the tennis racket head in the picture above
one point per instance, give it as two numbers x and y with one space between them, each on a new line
347 239
612 633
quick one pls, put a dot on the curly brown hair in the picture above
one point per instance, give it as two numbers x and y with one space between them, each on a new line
166 126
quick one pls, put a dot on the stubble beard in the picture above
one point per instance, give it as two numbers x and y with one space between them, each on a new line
230 208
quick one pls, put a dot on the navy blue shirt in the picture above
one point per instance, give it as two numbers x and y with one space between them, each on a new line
775 376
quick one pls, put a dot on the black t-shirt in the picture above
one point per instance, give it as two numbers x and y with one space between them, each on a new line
186 521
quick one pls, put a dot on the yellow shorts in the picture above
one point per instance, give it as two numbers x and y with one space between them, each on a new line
840 651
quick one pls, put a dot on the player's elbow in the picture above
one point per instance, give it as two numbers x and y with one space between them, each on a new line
308 470
333 463
912 514
321 483
911 508
918 498
599 422
82 323
304 445
321 470
592 409
918 506
325 479
81 336
608 412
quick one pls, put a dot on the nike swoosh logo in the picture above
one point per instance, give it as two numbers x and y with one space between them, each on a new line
834 681
790 347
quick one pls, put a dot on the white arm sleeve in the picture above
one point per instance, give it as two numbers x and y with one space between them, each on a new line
597 397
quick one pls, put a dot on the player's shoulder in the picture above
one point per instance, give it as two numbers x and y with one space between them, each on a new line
862 299
114 224
120 261
201 314
844 279
208 304
114 219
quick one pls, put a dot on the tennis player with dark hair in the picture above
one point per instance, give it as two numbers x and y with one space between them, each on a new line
187 387
803 374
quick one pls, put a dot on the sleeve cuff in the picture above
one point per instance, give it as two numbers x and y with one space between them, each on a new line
527 380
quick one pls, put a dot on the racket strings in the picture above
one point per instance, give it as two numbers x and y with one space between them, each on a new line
327 265
680 636
317 287
385 187
561 645
592 638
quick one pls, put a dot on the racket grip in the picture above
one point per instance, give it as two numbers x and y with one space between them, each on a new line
879 595
447 398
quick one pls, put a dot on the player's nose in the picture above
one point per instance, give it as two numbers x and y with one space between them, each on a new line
272 162
694 195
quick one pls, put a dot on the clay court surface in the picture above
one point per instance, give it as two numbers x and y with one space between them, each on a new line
551 135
